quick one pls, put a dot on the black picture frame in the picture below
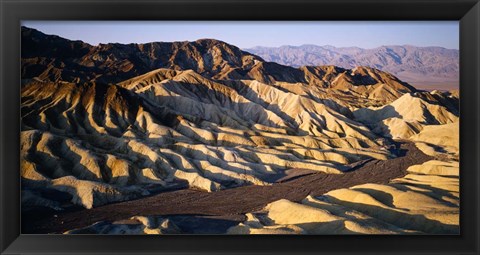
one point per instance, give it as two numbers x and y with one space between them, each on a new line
13 11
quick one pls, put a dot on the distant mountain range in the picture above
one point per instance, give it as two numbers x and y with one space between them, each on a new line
423 67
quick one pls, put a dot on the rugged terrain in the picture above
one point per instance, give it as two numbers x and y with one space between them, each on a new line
208 130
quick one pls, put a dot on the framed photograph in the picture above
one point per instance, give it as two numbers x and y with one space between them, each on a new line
203 127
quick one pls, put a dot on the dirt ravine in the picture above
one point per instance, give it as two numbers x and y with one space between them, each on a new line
233 202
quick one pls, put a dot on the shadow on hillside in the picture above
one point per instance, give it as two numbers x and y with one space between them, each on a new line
369 116
223 101
401 219
200 224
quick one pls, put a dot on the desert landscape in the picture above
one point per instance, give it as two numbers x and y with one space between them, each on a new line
202 137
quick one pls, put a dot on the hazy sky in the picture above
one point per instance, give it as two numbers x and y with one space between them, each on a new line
245 34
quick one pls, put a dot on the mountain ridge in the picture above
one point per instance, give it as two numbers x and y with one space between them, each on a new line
51 58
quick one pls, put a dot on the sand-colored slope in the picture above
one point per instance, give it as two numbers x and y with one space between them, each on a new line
408 115
424 201
171 129
440 140
176 129
410 108
440 135
245 102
